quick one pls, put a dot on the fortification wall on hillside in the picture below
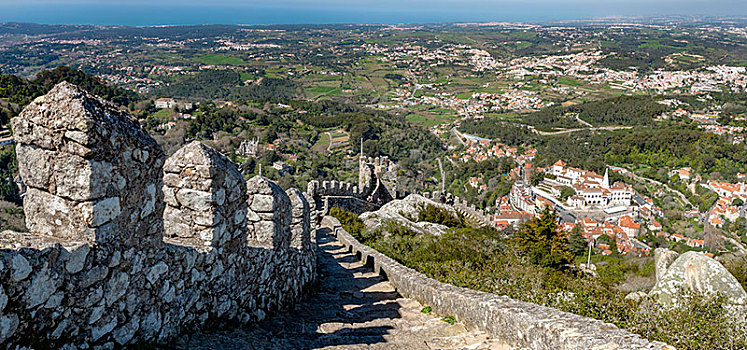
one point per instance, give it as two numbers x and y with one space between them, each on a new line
471 212
128 247
369 194
521 324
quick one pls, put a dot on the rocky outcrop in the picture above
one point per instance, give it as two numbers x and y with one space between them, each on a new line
662 259
95 270
405 212
695 273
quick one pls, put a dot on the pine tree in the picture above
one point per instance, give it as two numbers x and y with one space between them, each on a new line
577 243
541 241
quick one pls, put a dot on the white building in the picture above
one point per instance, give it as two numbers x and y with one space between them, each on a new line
591 189
165 103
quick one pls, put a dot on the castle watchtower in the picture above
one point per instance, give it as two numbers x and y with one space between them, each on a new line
92 172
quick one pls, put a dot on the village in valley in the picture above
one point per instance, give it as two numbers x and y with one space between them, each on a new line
453 85
568 165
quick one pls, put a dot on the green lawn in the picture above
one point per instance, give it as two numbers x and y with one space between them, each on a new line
320 89
464 95
247 76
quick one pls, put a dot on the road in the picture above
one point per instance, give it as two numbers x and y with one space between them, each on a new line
568 131
645 179
458 135
583 122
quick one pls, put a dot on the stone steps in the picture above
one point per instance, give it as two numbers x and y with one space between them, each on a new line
352 308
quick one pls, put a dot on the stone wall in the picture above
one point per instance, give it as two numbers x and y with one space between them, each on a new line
96 269
521 324
473 214
369 194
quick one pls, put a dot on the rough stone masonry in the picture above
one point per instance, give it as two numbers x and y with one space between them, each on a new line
127 247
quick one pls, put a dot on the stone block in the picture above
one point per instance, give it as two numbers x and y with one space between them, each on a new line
200 177
273 208
301 223
91 170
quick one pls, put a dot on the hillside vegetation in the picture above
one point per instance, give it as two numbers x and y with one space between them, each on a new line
523 267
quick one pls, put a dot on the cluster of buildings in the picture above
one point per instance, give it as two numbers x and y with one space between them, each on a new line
590 190
230 45
624 232
514 100
576 64
480 149
724 208
506 215
582 65
676 237
691 81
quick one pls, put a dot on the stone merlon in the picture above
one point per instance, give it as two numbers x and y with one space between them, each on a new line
96 270
92 172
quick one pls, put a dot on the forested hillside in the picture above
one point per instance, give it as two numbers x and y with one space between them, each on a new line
227 85
20 91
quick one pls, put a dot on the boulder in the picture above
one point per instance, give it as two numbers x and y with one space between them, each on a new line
663 258
403 212
694 272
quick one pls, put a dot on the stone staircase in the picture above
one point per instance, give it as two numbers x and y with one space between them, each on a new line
352 308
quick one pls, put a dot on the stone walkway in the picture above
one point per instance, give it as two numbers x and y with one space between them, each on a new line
352 308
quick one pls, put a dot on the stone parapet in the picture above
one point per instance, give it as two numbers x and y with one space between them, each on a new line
521 324
205 197
269 214
95 270
92 172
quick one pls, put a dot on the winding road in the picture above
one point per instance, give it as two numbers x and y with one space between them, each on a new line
658 183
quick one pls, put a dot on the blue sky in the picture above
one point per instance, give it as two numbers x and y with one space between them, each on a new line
142 12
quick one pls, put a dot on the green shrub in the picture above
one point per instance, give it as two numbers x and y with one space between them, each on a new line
350 222
483 259
738 268
700 323
438 215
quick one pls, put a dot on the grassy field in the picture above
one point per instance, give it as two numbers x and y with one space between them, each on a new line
569 81
247 76
162 114
219 60
464 95
321 144
319 91
429 120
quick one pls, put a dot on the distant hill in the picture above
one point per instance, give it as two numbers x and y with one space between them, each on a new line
39 29
20 91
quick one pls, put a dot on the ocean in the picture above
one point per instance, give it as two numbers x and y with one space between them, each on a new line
147 15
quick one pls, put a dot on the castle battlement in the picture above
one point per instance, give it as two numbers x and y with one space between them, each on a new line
126 246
